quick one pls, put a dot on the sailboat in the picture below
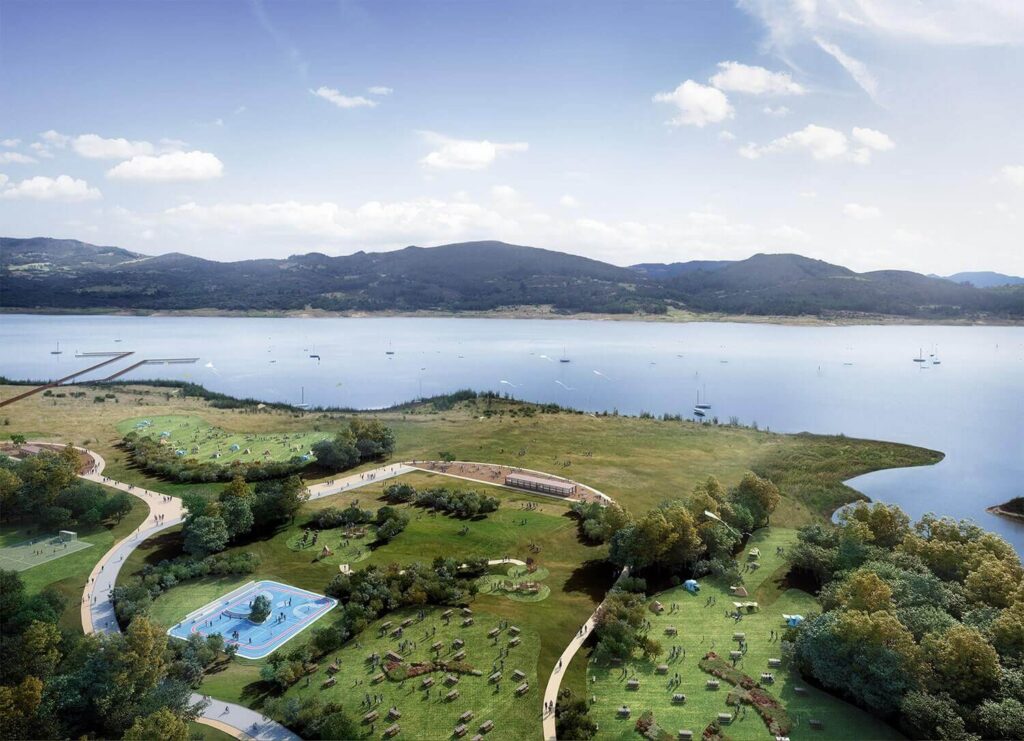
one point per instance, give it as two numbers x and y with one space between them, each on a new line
705 405
313 354
389 351
935 357
58 351
564 358
920 356
302 404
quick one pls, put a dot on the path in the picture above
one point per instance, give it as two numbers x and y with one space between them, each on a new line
555 680
355 480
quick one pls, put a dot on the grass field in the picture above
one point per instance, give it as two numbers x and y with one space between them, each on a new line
203 441
69 574
425 712
704 628
27 554
203 732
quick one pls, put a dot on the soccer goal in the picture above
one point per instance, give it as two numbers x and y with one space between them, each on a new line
67 536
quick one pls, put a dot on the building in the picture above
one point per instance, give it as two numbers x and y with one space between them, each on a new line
540 484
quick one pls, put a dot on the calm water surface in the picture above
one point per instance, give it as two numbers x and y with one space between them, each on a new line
860 381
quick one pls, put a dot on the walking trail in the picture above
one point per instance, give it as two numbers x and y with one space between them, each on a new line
167 511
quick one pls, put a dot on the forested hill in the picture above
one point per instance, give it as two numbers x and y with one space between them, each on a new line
67 275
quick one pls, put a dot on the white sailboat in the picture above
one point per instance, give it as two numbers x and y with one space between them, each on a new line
58 351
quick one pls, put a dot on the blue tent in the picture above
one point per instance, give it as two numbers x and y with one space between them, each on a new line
793 620
691 585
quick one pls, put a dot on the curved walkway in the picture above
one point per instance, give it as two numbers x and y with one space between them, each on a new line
166 511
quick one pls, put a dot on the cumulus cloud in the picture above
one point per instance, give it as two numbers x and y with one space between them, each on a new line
341 100
16 158
175 166
1014 175
466 154
824 144
60 188
698 104
10 142
568 201
380 90
94 146
726 136
861 212
55 139
735 77
776 112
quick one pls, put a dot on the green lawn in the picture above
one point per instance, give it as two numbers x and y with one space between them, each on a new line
68 574
203 732
703 628
203 441
425 713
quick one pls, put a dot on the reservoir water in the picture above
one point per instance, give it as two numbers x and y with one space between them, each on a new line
861 381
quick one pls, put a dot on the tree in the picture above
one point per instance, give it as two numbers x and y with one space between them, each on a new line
866 592
993 582
758 495
18 706
205 535
18 439
161 724
1008 631
237 515
571 719
961 663
40 649
260 609
237 488
1002 719
117 506
887 524
338 454
932 716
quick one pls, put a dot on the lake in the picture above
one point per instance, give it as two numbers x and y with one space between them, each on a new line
860 381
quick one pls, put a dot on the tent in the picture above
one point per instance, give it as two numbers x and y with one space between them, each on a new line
691 585
754 553
739 591
793 620
746 606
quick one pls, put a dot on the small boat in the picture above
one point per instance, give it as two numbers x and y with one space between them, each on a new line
564 358
935 357
58 351
302 404
699 413
920 356
317 357
699 404
389 351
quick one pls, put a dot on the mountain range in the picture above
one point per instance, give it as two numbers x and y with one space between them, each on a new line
42 274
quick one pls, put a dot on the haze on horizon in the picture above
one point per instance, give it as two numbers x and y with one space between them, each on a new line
866 133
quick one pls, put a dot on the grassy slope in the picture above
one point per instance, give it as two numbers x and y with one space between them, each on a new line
68 574
699 626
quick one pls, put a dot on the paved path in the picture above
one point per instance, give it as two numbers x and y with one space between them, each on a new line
355 480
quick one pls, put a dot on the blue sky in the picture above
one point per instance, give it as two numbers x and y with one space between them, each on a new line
869 133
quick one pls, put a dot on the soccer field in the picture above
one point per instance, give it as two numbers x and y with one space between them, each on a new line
29 553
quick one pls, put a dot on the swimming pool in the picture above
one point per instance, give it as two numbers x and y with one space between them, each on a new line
292 610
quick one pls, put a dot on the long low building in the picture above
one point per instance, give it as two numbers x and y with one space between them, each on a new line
540 484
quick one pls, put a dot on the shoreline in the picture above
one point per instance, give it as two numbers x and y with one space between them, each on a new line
997 509
542 313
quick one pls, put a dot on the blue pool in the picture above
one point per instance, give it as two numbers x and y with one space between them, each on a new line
292 610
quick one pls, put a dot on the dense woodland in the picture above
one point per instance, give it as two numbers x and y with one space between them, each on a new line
476 276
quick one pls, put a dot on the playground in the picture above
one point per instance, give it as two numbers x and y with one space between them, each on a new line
192 437
36 551
292 610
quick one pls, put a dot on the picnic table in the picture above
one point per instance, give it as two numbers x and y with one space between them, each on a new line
712 684
428 682
466 716
393 730
633 684
460 730
623 712
661 669
486 726
459 656
523 688
371 716
453 695
493 632
678 698
467 622
517 675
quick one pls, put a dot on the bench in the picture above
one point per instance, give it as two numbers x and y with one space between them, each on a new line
735 655
386 626
725 718
466 611
427 683
712 684
739 637
775 663
494 677
437 646
394 714
451 679
514 642
392 656
446 614
392 730
514 630
458 643
407 622
493 632
623 712
518 675
453 695
466 716
460 730
678 698
396 633
378 678
487 725
467 622
633 684
523 688
371 716
329 682
662 669
685 735
671 630
459 656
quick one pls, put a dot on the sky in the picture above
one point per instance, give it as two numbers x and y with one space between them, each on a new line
871 133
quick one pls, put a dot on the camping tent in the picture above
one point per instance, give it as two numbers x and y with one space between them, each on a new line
739 591
691 585
754 553
745 606
793 620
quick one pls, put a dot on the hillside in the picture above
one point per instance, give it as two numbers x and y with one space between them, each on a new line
986 279
66 275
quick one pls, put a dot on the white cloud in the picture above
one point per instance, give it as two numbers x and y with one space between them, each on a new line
343 101
568 201
726 136
55 139
16 158
3 180
94 146
824 144
41 149
861 212
942 22
776 112
380 90
857 69
60 188
175 166
10 142
735 77
466 154
698 104
1014 175
873 139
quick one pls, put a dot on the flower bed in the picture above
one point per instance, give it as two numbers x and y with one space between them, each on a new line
772 712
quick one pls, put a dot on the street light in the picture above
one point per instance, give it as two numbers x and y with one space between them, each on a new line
713 516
